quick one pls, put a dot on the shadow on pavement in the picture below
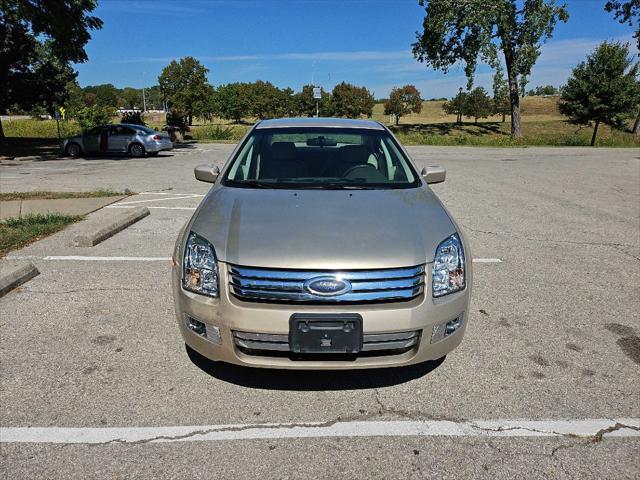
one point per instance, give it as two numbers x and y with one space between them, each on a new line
311 380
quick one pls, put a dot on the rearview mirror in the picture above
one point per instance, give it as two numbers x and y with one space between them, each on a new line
434 174
206 173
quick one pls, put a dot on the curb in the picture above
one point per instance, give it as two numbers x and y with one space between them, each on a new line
16 275
109 226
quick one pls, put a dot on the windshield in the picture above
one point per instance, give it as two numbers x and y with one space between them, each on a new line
146 130
320 158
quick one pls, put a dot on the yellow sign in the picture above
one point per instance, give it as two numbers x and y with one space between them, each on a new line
62 110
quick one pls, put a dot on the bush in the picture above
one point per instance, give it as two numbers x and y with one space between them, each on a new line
134 118
178 119
94 116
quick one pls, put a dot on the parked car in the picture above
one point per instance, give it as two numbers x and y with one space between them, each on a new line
136 140
319 246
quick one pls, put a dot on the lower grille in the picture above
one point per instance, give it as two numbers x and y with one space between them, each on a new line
373 343
296 286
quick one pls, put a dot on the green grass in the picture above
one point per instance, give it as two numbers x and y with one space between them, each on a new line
55 195
17 232
231 133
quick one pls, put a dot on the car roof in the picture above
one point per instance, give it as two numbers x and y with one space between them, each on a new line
319 122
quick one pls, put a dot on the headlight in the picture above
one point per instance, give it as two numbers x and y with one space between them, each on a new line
200 268
448 267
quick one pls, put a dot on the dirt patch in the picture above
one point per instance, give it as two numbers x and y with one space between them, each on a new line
631 347
539 360
619 329
574 347
103 340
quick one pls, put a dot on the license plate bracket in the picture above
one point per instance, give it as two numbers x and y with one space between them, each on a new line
325 333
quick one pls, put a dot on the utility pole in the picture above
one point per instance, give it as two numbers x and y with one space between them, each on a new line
144 101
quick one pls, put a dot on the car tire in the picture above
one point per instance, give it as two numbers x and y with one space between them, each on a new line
136 150
73 150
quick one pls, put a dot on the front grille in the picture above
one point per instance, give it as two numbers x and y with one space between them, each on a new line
372 344
288 286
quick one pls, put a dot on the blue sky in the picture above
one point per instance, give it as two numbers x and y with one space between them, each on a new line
295 42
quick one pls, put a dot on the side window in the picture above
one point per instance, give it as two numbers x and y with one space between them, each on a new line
242 166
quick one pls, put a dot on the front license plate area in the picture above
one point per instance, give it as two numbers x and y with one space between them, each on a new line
325 333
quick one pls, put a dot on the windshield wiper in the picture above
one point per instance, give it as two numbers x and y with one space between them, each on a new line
251 183
338 186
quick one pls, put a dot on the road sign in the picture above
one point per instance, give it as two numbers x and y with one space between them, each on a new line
62 110
317 93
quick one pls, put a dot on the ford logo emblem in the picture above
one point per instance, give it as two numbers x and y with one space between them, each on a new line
327 286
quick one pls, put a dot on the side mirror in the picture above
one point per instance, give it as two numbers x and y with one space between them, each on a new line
206 173
434 174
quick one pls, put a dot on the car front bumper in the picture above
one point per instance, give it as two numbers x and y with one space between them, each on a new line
229 314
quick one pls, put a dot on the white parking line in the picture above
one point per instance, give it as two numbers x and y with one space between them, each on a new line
152 207
589 428
148 259
171 193
158 200
82 258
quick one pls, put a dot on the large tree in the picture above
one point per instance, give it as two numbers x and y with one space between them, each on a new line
602 89
307 104
265 100
402 102
350 101
38 41
477 30
478 104
231 101
185 87
628 11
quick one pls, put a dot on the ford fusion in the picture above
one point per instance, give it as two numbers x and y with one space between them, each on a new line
319 246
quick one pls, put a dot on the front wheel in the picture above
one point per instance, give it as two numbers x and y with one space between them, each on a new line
73 150
136 150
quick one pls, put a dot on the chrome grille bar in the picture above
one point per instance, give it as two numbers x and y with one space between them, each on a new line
274 285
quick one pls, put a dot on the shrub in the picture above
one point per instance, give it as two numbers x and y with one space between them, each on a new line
94 116
133 117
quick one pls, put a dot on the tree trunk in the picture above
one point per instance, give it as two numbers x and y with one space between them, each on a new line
397 120
1 131
503 117
595 132
190 119
514 96
636 126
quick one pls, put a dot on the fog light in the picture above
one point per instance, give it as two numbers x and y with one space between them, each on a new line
443 330
196 326
210 332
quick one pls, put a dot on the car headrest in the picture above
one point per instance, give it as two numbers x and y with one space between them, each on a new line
283 151
355 154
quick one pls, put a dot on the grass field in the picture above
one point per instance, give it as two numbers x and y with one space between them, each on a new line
542 124
42 195
17 232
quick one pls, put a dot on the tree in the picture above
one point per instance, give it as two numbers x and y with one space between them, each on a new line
403 101
478 104
476 30
603 89
265 100
185 87
40 36
542 91
231 101
456 106
350 101
105 94
94 116
627 12
501 104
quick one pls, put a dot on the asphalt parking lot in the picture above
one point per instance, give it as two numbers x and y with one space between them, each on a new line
553 335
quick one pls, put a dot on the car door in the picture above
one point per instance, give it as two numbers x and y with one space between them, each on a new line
119 138
91 140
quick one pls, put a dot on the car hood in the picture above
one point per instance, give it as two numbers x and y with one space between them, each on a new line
323 229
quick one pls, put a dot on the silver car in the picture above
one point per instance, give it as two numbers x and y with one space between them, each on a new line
136 140
320 246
